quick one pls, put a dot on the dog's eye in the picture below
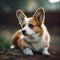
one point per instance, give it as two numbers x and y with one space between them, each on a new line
30 25
23 25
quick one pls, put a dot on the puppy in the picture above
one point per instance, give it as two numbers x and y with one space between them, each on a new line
34 35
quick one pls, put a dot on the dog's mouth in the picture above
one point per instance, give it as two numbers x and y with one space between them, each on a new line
28 35
25 34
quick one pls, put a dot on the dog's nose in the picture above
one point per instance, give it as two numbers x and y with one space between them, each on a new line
24 31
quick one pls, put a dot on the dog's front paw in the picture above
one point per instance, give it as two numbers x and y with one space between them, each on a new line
27 51
45 52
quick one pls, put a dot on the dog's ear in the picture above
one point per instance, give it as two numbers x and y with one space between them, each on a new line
20 16
39 15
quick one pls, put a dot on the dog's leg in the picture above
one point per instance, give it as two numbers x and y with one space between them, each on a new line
45 51
45 48
27 51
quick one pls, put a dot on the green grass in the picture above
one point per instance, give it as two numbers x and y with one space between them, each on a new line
5 43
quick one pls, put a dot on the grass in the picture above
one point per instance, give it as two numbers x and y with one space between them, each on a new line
5 43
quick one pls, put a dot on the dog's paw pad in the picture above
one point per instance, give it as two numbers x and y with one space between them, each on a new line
28 51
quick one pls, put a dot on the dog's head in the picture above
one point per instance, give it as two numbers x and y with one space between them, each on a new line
33 24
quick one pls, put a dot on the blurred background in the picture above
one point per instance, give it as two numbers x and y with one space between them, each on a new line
9 23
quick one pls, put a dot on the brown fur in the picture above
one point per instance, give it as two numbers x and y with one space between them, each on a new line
35 27
17 40
47 37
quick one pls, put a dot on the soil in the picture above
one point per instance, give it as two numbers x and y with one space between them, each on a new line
15 54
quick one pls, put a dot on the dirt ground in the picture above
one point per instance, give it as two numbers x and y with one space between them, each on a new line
16 55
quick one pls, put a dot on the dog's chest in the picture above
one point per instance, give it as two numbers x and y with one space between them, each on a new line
37 42
39 45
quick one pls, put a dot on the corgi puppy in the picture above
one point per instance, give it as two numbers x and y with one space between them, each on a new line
34 35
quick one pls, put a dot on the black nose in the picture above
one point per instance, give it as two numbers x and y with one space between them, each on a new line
24 32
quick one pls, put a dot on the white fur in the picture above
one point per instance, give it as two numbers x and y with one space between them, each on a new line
27 51
32 38
12 46
45 51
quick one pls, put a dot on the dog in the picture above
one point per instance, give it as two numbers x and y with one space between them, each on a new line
34 35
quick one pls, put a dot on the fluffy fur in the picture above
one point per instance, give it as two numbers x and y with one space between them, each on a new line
34 35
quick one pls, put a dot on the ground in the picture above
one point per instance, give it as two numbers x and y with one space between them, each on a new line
16 55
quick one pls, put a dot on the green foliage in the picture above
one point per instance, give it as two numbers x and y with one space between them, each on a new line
4 43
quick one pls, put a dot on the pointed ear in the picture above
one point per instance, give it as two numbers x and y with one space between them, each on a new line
39 15
20 16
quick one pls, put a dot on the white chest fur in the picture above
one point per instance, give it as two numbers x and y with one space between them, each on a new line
40 42
39 45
